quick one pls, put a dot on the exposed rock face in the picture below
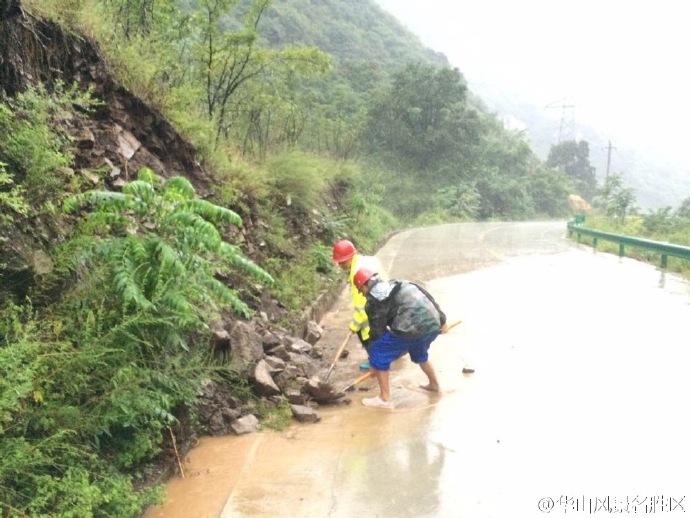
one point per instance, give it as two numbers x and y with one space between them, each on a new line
123 129
9 9
109 146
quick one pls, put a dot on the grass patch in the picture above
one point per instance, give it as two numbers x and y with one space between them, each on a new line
274 416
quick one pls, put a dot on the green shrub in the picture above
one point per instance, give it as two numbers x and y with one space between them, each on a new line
12 198
300 178
32 147
161 233
297 282
322 257
52 407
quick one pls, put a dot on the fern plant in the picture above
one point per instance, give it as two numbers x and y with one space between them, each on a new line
161 249
11 197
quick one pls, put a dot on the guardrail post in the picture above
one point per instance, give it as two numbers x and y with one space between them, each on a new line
621 250
595 240
664 260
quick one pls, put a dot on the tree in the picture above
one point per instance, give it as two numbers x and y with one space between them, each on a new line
421 134
616 198
572 157
549 189
462 201
227 59
513 181
503 196
622 203
683 210
422 119
136 17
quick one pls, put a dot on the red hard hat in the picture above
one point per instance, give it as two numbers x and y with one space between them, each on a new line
362 276
343 250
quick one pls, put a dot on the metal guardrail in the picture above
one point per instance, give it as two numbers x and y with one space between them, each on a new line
665 249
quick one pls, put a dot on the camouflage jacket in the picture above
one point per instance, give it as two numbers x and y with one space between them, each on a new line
404 308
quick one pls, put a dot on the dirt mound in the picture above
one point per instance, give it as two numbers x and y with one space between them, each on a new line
579 205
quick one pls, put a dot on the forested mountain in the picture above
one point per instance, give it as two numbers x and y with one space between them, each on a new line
428 141
658 176
358 30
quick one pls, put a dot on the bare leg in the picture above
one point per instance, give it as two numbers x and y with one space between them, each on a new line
383 377
428 369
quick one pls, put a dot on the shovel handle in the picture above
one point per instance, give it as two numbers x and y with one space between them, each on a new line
363 377
448 327
337 355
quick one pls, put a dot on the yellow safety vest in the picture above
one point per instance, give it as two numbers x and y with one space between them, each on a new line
360 322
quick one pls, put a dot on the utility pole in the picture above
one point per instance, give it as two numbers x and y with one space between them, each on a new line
564 107
608 160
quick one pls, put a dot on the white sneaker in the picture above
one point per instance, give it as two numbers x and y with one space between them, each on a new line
377 402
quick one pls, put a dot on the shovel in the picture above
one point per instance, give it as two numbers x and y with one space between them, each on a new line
337 356
363 377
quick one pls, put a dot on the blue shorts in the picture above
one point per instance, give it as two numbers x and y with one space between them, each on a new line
389 348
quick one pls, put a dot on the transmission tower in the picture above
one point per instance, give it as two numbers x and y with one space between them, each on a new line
567 118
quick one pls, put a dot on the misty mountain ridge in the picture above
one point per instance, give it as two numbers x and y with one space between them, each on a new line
659 178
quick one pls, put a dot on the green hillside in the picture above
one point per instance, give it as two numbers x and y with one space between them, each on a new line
173 176
357 30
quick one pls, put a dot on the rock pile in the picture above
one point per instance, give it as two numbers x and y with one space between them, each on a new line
280 369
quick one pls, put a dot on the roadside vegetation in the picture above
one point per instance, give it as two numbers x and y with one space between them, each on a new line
108 295
615 212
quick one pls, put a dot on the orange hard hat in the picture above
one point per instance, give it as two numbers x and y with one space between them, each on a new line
362 276
343 250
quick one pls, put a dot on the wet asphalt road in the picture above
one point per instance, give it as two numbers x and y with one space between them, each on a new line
577 403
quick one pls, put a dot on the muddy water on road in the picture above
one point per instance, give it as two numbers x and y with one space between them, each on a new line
578 396
321 469
327 468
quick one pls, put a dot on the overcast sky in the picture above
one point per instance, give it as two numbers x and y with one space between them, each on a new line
623 65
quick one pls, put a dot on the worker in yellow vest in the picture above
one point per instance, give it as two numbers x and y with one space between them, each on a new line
346 256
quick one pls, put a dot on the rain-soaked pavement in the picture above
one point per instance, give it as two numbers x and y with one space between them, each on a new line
577 406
